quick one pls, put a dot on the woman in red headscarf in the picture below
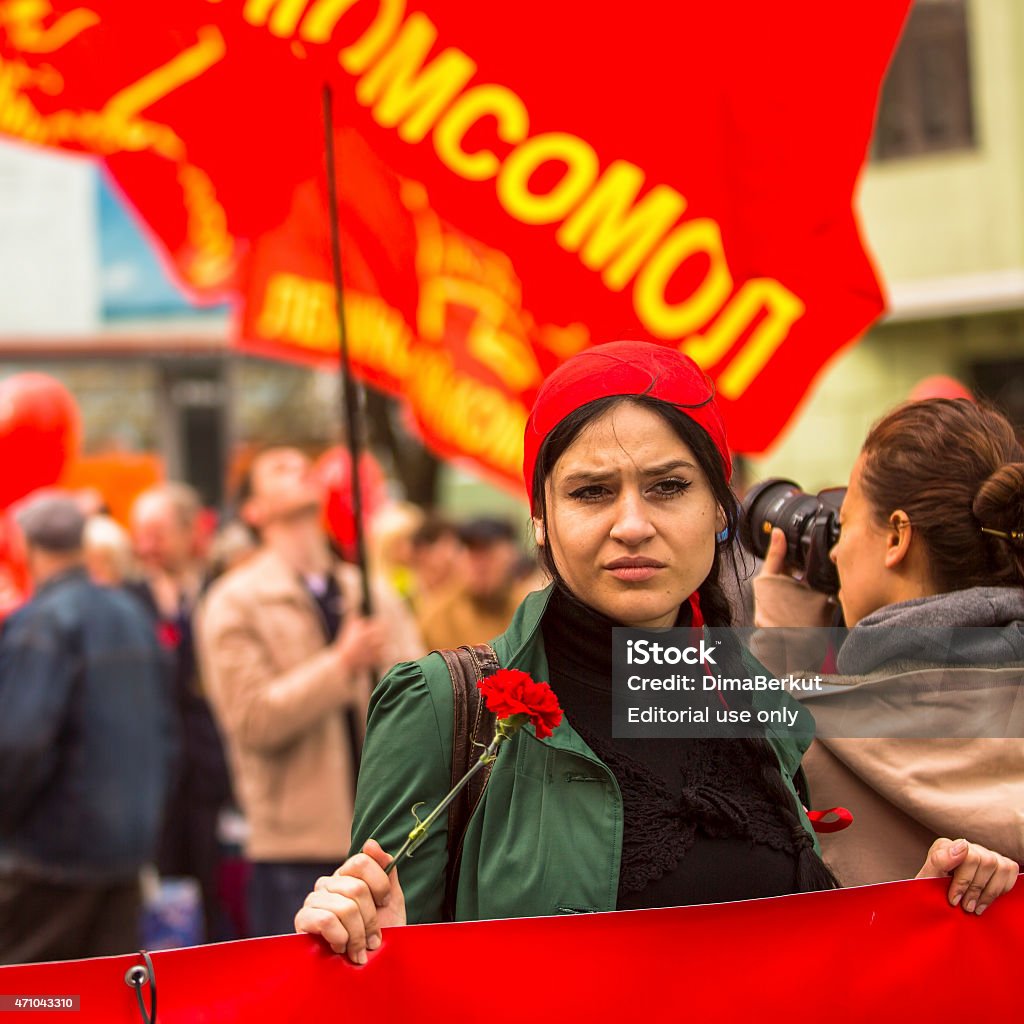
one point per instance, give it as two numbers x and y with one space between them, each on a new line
627 471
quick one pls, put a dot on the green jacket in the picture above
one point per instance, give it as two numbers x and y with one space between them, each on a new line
546 837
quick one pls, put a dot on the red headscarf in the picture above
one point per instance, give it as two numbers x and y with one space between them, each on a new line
623 368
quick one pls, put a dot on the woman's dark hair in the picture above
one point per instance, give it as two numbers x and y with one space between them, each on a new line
812 874
954 467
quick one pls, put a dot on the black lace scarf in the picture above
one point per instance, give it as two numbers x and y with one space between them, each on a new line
674 792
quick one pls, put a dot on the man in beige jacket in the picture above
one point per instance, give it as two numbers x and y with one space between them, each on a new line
287 659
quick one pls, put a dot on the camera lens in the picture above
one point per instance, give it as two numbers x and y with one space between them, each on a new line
810 523
781 503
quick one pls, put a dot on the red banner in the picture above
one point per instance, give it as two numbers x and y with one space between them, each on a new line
517 180
895 952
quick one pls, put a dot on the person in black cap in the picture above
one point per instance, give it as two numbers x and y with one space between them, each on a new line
86 749
489 591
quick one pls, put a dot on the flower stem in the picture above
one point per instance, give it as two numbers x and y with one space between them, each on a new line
419 833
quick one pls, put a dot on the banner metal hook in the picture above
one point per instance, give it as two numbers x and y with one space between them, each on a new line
137 976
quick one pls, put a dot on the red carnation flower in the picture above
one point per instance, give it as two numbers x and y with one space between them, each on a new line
510 692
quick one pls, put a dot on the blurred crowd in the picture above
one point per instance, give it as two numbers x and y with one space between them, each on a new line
186 699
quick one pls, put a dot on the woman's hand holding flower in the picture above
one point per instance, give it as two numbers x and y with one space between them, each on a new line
349 908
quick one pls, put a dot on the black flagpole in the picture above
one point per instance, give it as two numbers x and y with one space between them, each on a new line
350 394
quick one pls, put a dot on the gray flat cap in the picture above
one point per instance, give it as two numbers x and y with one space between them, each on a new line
53 522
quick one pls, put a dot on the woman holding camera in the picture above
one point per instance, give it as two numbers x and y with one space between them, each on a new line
931 541
626 467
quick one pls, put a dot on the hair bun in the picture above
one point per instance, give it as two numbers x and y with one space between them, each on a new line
999 503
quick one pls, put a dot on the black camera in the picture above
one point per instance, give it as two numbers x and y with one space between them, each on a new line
809 521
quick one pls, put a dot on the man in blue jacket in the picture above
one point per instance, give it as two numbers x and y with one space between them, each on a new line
86 744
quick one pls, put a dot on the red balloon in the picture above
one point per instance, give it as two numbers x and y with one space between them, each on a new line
333 470
40 430
15 585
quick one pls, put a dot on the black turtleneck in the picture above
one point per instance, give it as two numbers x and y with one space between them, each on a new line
699 827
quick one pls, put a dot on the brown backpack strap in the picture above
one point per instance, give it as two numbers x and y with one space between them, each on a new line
472 729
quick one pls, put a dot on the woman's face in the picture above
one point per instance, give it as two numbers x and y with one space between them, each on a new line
859 554
631 518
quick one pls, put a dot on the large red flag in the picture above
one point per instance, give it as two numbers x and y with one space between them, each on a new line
518 180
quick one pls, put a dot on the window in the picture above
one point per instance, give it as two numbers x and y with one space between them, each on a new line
926 98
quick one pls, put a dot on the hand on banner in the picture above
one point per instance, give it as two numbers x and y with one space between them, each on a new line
350 907
979 875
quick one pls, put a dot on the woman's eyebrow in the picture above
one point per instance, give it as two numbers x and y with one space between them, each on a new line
667 467
600 475
588 476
